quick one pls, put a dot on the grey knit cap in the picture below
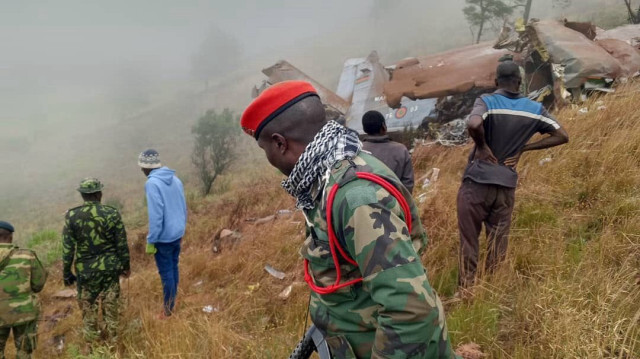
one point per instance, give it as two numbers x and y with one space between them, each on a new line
149 159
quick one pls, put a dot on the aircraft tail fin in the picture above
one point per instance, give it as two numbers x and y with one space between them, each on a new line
284 71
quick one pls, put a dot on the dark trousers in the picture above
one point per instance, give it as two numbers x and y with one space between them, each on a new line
167 257
24 337
477 204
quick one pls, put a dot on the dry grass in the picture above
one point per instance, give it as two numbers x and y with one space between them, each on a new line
567 290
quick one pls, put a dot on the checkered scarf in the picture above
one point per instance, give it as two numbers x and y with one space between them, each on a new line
333 143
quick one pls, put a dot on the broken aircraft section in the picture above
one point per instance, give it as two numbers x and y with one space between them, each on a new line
561 61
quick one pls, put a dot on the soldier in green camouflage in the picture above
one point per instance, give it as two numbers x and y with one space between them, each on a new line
392 312
21 276
94 238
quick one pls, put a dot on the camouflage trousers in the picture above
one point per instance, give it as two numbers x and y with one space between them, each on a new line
95 297
24 336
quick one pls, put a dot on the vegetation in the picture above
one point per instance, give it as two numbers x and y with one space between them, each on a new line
634 14
567 290
215 141
479 13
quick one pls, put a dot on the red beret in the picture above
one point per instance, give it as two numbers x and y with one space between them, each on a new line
272 102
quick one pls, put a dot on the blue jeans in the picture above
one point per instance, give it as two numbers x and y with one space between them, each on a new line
167 258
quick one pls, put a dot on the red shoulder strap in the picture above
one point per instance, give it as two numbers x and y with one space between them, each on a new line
333 240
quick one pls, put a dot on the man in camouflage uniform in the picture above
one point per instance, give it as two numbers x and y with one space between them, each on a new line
21 276
95 239
393 312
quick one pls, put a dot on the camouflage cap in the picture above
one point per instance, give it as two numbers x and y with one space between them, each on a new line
90 185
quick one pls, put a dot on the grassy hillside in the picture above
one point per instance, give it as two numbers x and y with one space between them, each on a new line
567 290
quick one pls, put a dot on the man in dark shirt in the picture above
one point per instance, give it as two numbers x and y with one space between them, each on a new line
500 124
391 153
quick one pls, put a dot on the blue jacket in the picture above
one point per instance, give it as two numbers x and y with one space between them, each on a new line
167 206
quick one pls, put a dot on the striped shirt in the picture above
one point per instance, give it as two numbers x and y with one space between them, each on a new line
509 121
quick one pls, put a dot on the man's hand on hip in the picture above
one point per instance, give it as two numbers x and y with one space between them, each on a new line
485 154
513 161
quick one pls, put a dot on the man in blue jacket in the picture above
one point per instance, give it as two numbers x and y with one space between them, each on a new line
167 221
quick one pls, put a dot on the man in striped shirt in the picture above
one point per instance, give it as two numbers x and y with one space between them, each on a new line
501 125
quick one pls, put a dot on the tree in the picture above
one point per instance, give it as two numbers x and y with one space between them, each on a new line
481 12
634 16
215 139
218 54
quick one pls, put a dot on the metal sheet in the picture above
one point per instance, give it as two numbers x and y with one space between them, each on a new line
284 71
581 57
627 55
448 73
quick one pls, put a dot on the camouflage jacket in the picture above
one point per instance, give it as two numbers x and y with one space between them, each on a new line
94 234
393 312
21 276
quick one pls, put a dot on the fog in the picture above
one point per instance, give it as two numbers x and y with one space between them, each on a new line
86 85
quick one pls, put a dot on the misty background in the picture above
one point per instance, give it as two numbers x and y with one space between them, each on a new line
86 85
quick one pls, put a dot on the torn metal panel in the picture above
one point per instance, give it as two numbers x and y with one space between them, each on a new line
449 73
581 58
627 55
365 88
585 28
284 71
627 33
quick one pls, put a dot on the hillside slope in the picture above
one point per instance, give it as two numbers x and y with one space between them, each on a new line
567 290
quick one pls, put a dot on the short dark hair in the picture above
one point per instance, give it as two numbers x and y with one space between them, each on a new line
91 196
372 122
508 71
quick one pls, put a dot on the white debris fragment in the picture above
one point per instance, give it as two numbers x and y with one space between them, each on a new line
284 295
210 309
66 293
583 111
274 272
545 160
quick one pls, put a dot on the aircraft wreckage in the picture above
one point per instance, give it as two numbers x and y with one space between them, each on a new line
561 61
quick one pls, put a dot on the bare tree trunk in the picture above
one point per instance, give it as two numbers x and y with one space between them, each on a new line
482 13
527 11
632 17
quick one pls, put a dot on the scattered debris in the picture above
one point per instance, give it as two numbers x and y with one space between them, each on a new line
253 287
470 351
284 295
601 108
430 177
545 160
264 220
286 292
66 294
422 197
57 342
583 111
284 213
452 133
198 283
210 309
225 238
274 272
226 233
